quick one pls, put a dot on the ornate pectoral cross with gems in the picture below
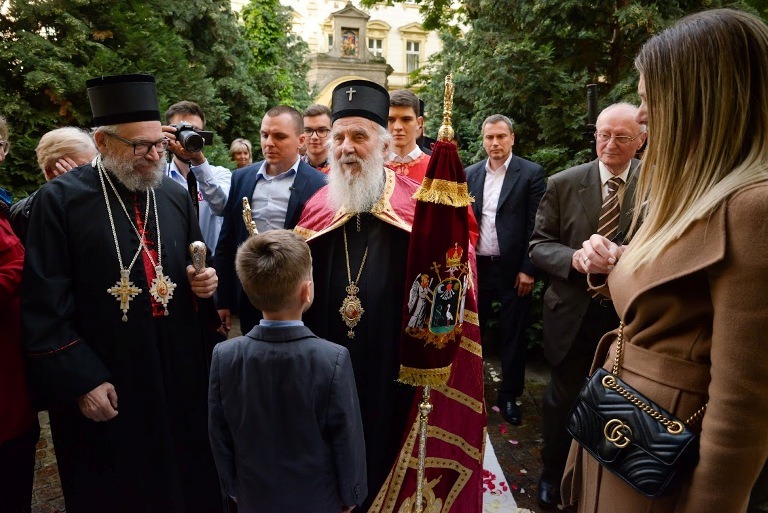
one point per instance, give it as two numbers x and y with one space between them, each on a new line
351 309
124 291
162 288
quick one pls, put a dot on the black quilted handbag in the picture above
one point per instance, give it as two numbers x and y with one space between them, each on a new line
629 435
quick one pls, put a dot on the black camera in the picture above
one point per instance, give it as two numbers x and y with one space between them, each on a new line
192 139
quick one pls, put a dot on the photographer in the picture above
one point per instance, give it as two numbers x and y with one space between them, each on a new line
208 185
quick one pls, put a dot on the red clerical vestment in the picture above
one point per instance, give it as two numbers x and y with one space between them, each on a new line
457 424
415 169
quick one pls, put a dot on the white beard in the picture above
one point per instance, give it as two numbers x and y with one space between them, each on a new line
132 178
360 192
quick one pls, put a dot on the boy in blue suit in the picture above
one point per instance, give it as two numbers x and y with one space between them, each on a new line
283 412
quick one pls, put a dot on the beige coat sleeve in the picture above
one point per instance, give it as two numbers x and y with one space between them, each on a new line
734 436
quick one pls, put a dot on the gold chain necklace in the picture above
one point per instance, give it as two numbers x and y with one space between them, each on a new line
351 308
161 287
124 290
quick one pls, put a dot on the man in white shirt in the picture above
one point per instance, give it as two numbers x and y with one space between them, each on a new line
208 185
277 189
507 190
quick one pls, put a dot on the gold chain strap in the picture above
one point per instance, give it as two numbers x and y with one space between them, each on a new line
673 426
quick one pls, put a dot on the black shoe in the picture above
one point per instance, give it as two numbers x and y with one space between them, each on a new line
549 494
511 412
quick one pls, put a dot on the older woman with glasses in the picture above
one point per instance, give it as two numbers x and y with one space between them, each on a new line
691 286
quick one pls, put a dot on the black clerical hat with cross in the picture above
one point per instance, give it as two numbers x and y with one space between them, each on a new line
120 99
360 98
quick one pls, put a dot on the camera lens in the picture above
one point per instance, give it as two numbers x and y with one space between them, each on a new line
191 140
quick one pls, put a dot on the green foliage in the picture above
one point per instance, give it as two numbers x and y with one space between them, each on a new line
280 62
279 58
195 49
532 60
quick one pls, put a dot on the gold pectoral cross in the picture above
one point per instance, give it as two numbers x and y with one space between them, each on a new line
124 291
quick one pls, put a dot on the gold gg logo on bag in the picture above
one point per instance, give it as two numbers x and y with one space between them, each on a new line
617 433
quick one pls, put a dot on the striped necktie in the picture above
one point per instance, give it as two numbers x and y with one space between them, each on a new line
610 213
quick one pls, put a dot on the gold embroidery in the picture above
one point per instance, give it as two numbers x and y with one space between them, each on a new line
463 472
471 317
444 192
385 500
471 346
304 232
461 398
454 439
419 377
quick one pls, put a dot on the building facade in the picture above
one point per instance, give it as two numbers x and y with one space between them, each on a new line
382 43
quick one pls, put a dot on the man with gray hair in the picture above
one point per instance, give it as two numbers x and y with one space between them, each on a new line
507 190
110 319
595 197
358 230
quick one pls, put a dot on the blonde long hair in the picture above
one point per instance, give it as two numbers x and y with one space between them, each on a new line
706 81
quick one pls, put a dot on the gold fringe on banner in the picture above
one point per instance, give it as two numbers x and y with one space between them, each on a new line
444 192
424 377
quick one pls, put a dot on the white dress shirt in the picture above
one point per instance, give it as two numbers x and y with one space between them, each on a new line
271 195
213 184
394 157
488 244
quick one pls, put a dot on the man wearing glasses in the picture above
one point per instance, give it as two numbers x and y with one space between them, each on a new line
596 197
317 126
277 189
110 318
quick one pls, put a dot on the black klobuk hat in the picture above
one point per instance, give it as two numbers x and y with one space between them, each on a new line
360 98
123 99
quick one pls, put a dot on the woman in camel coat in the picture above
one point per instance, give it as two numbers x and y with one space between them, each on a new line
692 286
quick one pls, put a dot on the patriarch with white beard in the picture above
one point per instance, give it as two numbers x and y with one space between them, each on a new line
358 229
355 182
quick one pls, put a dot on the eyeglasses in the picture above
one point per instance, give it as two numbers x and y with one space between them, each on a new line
322 132
620 139
141 148
5 146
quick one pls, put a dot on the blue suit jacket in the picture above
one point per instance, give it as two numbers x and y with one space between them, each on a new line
233 231
521 192
284 422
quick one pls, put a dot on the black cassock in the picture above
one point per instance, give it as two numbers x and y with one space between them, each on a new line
384 403
154 456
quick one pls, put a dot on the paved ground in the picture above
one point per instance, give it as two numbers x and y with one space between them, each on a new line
517 447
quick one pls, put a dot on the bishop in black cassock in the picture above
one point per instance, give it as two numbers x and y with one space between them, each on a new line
154 455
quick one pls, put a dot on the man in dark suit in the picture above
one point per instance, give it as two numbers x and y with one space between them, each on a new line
596 197
277 189
507 191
